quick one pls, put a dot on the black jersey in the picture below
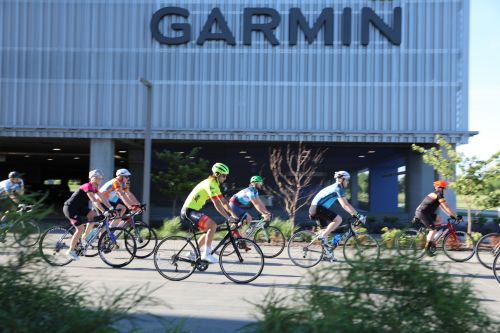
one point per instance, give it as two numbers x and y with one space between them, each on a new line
430 204
79 198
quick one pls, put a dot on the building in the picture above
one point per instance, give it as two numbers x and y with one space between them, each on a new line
364 78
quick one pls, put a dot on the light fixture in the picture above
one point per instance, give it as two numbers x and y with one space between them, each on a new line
180 152
50 159
122 151
248 156
76 158
371 151
26 156
243 152
56 149
361 156
118 157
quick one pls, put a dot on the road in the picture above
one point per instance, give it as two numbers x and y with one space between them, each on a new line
209 302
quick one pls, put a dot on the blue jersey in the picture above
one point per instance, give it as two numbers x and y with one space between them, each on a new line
243 197
327 196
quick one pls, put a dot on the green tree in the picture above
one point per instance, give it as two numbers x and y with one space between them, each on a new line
180 173
477 180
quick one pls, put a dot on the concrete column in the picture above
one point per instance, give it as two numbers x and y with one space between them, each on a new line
419 178
354 188
384 188
136 167
102 156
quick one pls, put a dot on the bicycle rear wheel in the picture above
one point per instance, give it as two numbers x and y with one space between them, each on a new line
361 247
117 247
270 240
54 243
145 238
459 248
173 258
242 265
305 249
410 243
496 267
26 233
487 248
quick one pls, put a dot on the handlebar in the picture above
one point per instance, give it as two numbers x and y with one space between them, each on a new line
24 208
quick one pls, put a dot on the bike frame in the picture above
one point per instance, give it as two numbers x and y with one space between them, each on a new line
449 229
104 224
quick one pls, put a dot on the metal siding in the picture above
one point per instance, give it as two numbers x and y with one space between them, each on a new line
69 64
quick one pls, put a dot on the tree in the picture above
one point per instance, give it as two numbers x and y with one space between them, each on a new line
477 180
182 173
292 172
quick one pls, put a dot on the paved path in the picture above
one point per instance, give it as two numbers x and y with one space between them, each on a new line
211 303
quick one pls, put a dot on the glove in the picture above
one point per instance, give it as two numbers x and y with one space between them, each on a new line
267 217
231 219
459 217
360 217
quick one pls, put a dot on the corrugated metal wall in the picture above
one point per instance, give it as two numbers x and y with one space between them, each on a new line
71 68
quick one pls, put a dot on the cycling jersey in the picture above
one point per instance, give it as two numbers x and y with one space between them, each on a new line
206 189
7 186
327 196
430 205
243 197
79 199
110 188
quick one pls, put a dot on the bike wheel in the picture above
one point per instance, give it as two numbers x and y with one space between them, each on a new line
54 243
305 249
242 265
360 247
26 233
410 243
487 248
459 248
270 240
496 267
172 258
145 238
117 247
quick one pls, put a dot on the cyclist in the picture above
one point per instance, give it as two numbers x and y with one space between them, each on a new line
9 188
325 198
191 210
76 208
117 192
241 202
426 212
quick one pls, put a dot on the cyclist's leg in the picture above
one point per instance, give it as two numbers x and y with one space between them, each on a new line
90 217
334 220
428 220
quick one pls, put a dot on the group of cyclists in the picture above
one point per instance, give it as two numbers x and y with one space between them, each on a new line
115 198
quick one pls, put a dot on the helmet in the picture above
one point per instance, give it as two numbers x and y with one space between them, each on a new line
96 173
256 179
14 174
342 174
440 183
122 172
220 168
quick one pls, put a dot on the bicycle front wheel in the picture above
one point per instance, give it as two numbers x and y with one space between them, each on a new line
270 240
26 233
361 247
145 238
242 265
459 247
487 248
410 243
54 243
496 267
175 258
117 247
305 249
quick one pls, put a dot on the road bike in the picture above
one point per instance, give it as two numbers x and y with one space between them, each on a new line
177 257
115 245
487 248
25 231
457 245
305 248
496 267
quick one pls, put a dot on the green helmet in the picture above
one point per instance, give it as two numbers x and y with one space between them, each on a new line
220 168
256 179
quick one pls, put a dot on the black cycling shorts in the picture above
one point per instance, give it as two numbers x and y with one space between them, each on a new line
78 214
197 218
427 219
322 214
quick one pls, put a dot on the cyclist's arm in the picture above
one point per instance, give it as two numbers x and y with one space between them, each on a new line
219 206
259 205
444 206
12 197
347 206
122 195
96 203
131 197
104 202
21 189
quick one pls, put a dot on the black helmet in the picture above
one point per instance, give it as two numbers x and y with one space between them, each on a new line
14 174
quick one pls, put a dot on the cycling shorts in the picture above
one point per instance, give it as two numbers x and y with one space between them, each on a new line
322 214
196 218
116 203
238 210
427 219
77 216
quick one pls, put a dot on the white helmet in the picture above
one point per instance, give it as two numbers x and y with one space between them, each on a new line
342 174
96 173
122 172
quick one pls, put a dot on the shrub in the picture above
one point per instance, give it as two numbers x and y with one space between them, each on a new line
170 227
388 295
476 236
286 227
389 237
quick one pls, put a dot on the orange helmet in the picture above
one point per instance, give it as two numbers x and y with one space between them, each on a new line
440 183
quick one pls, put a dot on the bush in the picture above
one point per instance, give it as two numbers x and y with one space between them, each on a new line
286 227
476 236
389 295
170 227
389 237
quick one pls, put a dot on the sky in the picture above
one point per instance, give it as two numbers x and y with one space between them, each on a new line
484 79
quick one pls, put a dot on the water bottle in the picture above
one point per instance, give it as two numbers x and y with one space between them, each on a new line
336 240
91 235
251 228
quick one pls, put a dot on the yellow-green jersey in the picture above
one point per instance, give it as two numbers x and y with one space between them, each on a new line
207 189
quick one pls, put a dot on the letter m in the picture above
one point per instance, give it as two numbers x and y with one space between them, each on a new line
297 19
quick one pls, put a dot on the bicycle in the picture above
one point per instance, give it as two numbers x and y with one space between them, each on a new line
176 258
487 248
306 250
25 232
496 267
116 246
457 245
269 238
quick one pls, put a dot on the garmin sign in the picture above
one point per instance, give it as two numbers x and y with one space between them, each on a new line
180 33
